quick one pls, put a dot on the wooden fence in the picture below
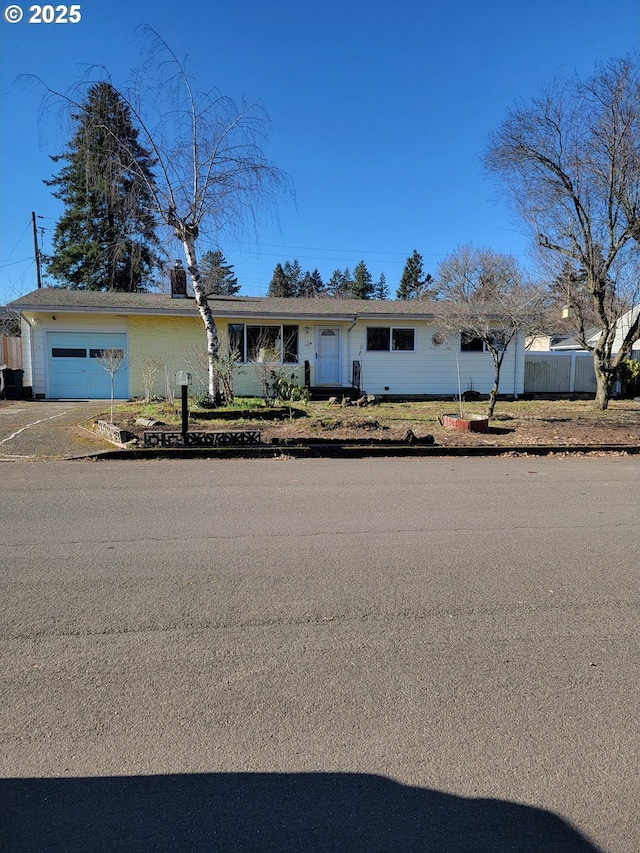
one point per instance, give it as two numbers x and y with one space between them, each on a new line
11 352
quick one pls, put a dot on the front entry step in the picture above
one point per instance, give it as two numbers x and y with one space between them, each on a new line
324 392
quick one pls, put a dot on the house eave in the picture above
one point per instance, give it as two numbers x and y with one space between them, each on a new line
250 308
94 309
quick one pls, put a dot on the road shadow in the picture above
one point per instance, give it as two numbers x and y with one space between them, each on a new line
268 812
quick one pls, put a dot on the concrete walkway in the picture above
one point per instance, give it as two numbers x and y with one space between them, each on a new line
49 429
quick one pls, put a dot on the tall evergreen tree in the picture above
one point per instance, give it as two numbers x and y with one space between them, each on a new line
293 273
339 285
311 285
218 277
362 287
414 284
278 286
105 238
381 289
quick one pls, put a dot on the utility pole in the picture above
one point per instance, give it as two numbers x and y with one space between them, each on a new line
36 249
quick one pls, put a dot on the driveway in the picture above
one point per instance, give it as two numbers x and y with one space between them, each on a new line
49 429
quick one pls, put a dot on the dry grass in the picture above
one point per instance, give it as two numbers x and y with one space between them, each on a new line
519 423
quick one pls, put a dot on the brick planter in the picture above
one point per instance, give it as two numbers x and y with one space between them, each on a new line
474 423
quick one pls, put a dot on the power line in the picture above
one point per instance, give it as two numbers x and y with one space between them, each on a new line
19 239
9 263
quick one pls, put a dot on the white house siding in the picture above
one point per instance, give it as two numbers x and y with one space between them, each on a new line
431 370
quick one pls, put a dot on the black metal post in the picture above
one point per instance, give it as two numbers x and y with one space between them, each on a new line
185 412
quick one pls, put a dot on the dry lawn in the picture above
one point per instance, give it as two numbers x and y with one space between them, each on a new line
523 423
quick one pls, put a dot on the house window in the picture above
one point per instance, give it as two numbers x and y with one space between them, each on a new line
403 340
290 344
378 339
388 338
470 343
235 333
277 344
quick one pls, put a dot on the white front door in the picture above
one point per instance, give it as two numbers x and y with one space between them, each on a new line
328 355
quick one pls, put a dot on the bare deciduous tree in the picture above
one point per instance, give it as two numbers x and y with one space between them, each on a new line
210 172
570 162
151 366
9 321
111 361
482 296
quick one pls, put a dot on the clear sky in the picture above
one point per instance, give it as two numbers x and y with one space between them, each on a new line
379 112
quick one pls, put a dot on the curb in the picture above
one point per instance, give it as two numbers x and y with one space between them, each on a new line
346 450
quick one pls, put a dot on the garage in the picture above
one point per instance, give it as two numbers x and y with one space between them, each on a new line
74 371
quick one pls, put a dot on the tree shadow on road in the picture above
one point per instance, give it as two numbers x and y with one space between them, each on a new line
268 812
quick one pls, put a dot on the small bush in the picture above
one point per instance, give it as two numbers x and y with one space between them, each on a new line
206 402
287 390
629 374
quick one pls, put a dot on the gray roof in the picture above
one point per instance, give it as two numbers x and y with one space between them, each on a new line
323 308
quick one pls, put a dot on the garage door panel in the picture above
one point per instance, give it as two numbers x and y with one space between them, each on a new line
74 368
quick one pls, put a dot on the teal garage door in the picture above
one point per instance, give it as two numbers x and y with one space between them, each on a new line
74 370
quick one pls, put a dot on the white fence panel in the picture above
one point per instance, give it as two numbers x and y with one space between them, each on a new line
585 377
559 373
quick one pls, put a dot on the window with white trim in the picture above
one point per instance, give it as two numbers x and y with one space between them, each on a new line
269 343
390 339
471 343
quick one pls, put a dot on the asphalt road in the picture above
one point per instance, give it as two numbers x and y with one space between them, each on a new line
321 655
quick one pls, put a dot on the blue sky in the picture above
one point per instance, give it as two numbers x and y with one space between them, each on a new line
379 113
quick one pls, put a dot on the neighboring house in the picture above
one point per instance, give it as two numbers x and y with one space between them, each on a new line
544 343
388 348
623 326
569 344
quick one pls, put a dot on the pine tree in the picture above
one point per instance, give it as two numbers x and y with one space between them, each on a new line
414 284
362 287
217 275
293 274
311 285
340 284
278 285
381 289
105 238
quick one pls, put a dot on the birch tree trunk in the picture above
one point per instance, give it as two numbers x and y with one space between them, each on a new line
205 312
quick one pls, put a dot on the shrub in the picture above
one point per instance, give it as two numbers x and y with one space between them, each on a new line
629 374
